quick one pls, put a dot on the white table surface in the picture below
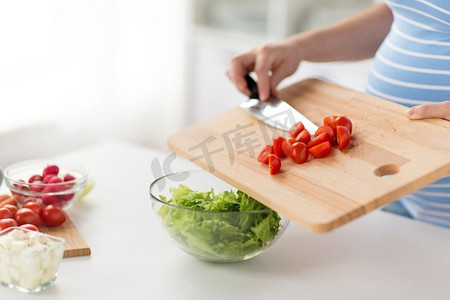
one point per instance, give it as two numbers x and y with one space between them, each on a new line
379 256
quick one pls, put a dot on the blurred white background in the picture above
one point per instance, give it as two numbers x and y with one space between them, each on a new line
78 72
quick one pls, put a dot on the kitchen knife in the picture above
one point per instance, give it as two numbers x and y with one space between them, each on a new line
274 112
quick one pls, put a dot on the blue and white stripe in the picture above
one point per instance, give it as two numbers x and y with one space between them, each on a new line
412 67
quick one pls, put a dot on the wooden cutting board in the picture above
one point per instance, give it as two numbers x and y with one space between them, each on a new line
75 244
323 194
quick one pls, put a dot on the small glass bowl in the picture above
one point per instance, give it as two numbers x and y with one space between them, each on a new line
219 236
63 194
30 270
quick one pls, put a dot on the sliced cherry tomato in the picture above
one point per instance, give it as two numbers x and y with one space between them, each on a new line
323 137
34 206
296 129
12 208
29 227
328 130
343 136
304 137
263 156
286 147
321 150
5 213
329 121
27 216
277 146
274 164
299 153
344 121
54 216
6 223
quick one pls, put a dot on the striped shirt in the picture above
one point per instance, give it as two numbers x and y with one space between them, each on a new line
411 67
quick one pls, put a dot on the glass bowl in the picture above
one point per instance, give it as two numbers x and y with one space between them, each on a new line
29 260
18 179
219 236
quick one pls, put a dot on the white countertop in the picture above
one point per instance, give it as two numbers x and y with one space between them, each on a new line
379 256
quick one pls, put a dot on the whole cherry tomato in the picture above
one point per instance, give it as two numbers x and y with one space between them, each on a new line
6 223
27 216
12 208
321 150
295 130
304 137
343 136
299 153
274 164
263 156
277 146
34 206
53 215
5 213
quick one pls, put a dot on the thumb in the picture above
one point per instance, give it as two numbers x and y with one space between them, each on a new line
430 110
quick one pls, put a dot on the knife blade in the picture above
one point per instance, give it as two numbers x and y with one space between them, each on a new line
274 112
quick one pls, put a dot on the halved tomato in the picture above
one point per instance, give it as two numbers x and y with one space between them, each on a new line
296 129
321 150
263 156
304 137
323 137
299 153
343 136
274 164
328 130
344 121
277 146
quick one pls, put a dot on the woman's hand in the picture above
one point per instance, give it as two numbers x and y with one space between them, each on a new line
430 110
271 63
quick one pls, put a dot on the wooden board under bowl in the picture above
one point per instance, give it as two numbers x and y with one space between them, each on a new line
75 244
325 193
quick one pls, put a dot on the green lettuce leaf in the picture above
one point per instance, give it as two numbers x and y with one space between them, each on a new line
221 235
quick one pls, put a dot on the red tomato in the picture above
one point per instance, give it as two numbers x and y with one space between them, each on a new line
12 208
5 213
53 215
27 216
329 121
304 137
323 137
277 146
343 136
6 223
263 156
328 130
296 129
321 150
299 153
29 227
344 121
274 164
286 147
34 206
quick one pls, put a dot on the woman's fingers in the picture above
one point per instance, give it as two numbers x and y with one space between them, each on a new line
239 67
430 110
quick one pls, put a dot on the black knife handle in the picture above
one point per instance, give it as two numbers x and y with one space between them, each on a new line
252 86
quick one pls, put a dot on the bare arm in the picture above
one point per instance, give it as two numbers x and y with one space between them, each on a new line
355 38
